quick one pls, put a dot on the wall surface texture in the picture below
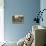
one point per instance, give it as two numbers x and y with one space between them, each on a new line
43 6
28 8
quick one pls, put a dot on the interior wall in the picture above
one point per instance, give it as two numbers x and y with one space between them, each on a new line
28 8
43 6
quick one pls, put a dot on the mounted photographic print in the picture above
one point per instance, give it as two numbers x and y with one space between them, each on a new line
18 19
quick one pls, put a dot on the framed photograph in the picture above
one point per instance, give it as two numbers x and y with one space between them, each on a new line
18 19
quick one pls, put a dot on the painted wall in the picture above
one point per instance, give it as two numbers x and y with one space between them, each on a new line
28 8
43 6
